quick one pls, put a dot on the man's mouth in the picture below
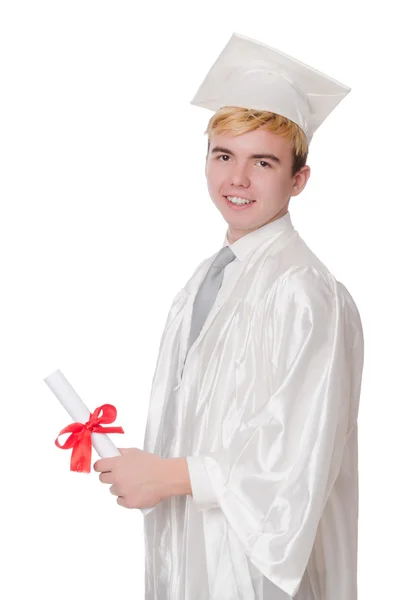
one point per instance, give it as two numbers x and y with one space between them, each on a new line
238 202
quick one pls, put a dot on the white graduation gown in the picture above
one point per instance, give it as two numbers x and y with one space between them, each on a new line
266 404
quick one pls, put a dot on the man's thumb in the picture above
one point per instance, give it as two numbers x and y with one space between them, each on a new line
124 450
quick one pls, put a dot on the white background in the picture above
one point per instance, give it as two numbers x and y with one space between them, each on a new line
104 216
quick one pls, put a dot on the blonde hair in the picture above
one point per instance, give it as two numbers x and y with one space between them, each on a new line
237 120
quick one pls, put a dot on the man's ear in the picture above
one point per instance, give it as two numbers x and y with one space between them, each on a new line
301 179
206 158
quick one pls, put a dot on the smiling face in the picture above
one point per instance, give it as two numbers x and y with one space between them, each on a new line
258 166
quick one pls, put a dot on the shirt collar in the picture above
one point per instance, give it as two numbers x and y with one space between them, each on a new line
264 234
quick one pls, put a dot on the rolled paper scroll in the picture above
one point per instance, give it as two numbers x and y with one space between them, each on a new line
79 412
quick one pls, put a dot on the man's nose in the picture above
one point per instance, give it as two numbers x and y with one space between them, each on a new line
239 175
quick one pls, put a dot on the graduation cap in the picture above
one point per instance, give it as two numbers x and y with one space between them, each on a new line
252 75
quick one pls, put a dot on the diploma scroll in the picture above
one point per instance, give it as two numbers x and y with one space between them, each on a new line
79 412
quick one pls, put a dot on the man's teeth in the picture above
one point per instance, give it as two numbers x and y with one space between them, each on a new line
236 200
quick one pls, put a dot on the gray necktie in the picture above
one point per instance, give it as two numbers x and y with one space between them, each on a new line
208 291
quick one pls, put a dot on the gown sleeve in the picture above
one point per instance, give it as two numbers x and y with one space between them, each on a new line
203 493
273 480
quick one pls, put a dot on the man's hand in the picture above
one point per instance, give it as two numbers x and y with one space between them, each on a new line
141 479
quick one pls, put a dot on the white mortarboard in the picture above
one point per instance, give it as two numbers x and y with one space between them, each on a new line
253 75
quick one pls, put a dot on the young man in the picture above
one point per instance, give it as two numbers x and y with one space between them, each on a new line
250 453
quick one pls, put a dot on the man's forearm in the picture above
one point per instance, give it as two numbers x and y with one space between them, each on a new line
176 477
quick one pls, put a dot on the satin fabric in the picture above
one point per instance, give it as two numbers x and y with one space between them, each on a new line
267 400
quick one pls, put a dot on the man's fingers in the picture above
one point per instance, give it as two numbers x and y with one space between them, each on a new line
106 477
103 464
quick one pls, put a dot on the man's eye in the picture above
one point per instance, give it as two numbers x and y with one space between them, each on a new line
223 156
264 163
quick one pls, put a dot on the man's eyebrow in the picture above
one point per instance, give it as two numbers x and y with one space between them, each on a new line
226 151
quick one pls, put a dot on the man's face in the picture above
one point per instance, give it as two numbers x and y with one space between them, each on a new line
255 166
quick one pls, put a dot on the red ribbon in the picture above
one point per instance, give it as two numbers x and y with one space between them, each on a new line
80 436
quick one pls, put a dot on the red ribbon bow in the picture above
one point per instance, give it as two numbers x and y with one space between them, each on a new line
80 436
